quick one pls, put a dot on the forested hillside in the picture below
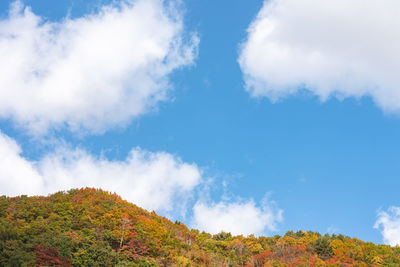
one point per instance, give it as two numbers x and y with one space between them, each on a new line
90 227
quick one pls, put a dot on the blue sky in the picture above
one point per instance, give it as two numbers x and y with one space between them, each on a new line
329 164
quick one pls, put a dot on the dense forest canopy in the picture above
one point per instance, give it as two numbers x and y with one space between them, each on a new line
91 227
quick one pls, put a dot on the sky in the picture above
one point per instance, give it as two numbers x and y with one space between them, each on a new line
248 116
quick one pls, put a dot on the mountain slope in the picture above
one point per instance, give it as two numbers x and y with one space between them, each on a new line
90 227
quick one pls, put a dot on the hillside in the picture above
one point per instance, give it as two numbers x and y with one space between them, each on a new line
90 227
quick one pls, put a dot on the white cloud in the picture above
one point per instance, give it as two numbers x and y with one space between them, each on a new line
389 224
332 48
90 73
236 217
156 181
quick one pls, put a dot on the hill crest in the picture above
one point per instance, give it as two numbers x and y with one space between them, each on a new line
92 227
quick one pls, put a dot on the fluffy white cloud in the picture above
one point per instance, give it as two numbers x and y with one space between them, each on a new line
236 217
389 223
93 72
155 181
332 48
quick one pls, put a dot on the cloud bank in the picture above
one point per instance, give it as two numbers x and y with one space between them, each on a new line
238 218
332 48
389 224
90 73
155 181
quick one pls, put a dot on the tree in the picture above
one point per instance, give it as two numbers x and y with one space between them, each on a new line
49 256
323 248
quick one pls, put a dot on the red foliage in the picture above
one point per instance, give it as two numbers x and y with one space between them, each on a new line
261 259
134 249
49 256
342 260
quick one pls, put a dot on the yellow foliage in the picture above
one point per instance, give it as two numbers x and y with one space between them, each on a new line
183 262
